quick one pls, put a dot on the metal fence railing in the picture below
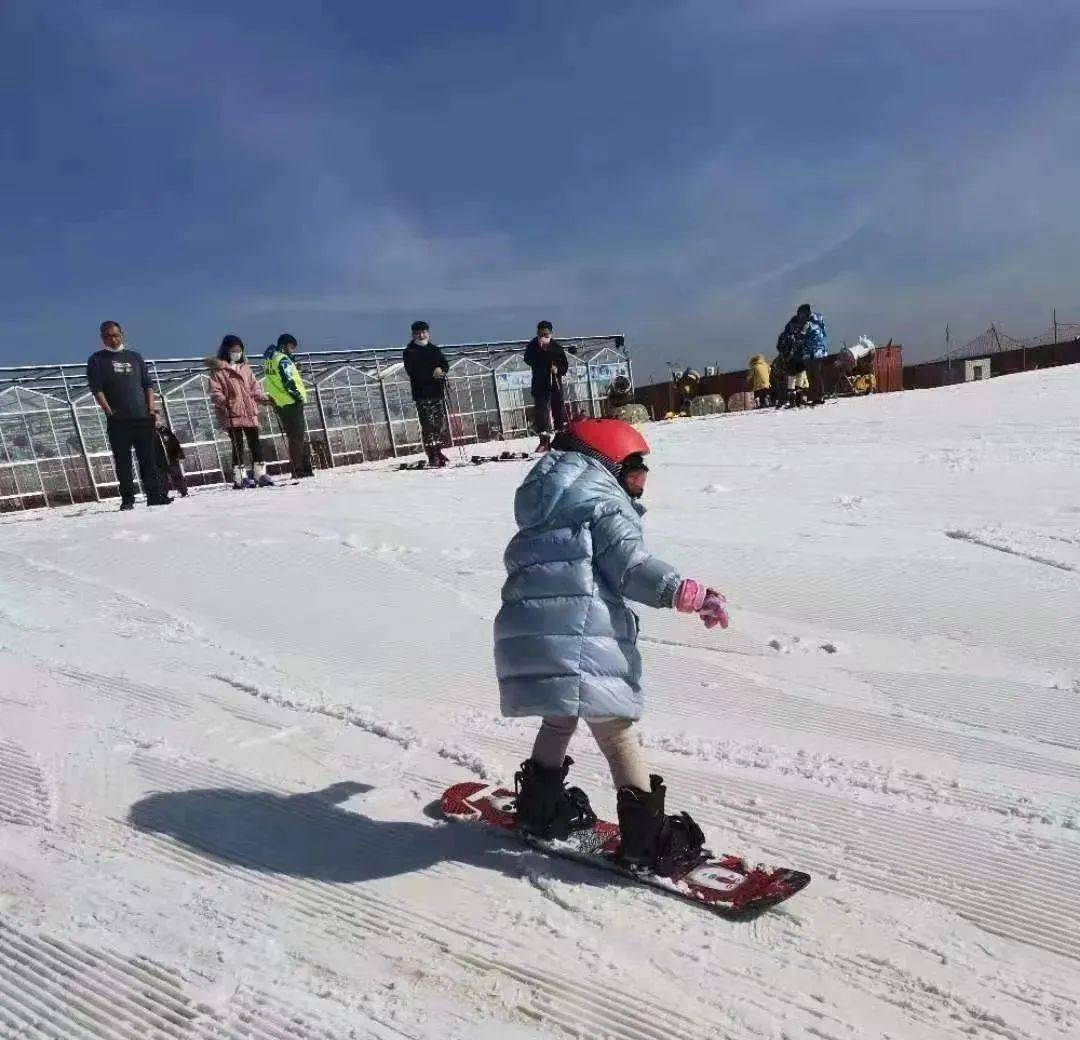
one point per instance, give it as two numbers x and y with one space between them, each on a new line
54 447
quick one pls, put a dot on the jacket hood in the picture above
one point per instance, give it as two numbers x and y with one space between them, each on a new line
562 473
216 364
758 359
270 351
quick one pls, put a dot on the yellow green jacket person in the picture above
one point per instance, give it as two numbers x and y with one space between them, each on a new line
758 376
282 378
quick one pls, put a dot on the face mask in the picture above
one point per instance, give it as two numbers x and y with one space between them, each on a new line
235 356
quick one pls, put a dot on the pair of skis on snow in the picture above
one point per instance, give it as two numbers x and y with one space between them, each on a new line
727 885
475 460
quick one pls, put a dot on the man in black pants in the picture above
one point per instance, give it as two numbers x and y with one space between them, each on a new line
120 382
547 359
426 367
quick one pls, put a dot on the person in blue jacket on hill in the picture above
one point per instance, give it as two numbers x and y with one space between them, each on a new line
566 638
815 348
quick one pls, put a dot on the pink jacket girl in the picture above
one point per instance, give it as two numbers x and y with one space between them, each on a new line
236 395
235 392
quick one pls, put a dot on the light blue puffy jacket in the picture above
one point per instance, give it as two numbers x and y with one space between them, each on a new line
565 639
815 337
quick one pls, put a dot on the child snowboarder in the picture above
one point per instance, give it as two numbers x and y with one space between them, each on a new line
565 638
167 455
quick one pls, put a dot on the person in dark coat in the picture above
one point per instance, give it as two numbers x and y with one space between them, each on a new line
168 452
790 347
426 368
120 382
546 357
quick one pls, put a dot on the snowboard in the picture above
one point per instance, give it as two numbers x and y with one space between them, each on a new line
725 885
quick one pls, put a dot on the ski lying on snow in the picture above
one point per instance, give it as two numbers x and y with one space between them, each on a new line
726 885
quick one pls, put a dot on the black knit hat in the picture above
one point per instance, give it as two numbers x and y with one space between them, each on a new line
543 326
419 326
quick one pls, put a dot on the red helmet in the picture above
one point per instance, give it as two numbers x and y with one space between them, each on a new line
612 438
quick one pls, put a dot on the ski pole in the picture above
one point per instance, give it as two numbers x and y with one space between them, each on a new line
450 427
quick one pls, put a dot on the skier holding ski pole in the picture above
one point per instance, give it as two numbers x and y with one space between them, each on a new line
565 638
546 357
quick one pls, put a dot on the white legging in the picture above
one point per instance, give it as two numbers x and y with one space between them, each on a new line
615 737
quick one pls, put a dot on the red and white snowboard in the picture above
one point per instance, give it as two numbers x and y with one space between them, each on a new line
724 884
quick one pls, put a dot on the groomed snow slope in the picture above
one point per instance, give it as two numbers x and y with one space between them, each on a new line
221 726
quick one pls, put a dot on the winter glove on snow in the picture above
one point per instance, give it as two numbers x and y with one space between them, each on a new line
692 597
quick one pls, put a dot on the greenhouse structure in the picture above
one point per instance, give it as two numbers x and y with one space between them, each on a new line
54 447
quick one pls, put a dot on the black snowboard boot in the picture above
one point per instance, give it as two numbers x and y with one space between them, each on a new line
545 806
652 841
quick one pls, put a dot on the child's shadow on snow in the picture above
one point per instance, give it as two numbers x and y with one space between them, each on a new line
309 836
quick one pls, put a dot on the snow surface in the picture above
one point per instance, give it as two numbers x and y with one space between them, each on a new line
222 727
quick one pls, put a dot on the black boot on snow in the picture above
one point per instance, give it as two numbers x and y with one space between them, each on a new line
545 806
652 841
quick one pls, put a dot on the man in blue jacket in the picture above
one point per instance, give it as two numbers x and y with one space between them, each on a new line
815 348
566 638
121 385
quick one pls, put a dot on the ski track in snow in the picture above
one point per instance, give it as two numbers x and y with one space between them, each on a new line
215 777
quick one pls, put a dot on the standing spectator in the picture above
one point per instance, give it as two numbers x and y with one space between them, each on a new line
236 395
120 382
759 380
547 359
789 345
168 452
426 368
815 350
288 393
687 384
778 382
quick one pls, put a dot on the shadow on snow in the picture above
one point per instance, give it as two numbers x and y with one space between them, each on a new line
310 836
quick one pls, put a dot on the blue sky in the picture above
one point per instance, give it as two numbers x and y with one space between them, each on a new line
685 172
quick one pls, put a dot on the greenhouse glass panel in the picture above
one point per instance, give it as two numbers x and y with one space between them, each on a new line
356 426
473 404
207 452
576 401
98 454
514 379
604 365
401 412
41 460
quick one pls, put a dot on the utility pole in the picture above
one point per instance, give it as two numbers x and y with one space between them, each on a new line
1055 326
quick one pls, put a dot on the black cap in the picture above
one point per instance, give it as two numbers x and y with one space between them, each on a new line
543 325
286 338
419 326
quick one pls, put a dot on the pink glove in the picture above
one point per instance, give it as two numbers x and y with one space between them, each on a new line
692 597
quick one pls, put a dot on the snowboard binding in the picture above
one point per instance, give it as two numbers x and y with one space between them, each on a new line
653 841
545 807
